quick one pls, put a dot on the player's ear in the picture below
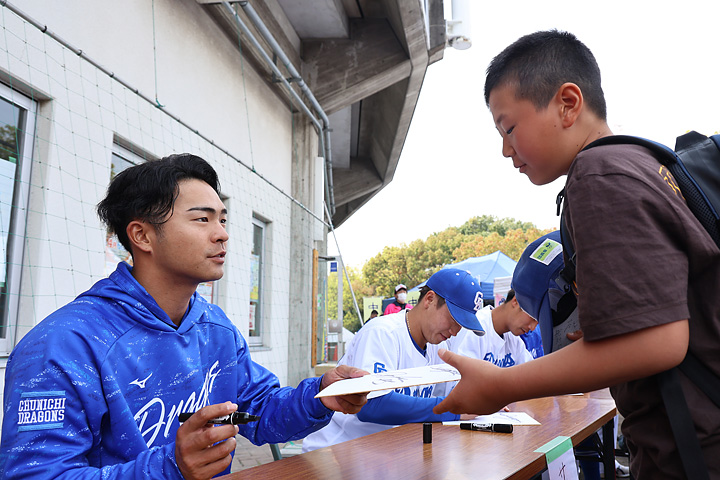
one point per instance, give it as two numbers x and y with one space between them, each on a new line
140 235
569 100
429 298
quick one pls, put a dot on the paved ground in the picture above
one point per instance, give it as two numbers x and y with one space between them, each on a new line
248 455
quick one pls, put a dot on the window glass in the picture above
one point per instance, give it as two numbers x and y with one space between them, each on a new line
256 282
17 125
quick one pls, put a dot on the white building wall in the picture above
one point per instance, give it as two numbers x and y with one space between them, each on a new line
201 79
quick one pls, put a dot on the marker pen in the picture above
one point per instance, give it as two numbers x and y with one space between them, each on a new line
235 418
488 427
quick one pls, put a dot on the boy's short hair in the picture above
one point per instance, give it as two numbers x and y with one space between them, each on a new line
147 192
539 63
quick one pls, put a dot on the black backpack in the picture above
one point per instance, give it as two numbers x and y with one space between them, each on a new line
695 164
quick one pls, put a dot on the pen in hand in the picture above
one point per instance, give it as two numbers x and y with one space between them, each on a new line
235 418
488 427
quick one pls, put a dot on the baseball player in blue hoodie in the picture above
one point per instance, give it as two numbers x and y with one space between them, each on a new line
95 389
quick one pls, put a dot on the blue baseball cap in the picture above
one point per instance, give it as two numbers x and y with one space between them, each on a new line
462 295
536 289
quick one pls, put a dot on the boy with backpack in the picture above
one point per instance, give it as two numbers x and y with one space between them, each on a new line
647 272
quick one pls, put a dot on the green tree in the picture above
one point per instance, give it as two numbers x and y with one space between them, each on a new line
512 244
414 263
387 269
487 224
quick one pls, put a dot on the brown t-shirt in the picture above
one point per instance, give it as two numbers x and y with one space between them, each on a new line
644 260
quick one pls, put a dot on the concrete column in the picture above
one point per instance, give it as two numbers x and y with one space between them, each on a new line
303 231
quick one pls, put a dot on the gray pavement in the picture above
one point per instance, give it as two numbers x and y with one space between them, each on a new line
248 455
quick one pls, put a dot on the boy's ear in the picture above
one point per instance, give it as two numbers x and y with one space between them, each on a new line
140 235
570 99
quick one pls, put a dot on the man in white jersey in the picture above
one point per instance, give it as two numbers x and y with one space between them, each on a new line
448 301
502 344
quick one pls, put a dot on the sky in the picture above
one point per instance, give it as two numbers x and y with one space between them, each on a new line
660 76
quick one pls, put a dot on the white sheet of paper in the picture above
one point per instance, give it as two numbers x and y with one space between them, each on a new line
563 467
513 418
408 377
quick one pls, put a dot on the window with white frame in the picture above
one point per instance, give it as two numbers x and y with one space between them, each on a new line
17 128
257 288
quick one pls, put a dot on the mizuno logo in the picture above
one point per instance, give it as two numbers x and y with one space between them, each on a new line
140 383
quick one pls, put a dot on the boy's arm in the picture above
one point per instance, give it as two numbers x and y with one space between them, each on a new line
579 367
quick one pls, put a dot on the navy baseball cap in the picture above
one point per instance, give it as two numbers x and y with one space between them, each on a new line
462 295
536 289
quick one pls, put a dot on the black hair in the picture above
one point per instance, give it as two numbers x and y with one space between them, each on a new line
424 289
539 63
510 295
147 192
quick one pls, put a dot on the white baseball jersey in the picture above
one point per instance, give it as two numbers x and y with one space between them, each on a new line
504 351
381 345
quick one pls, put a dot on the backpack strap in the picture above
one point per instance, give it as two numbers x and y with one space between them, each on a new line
694 165
682 425
701 376
567 274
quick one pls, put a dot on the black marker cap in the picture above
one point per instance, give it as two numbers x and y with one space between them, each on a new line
427 432
502 427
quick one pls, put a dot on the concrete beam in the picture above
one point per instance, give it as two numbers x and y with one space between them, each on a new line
341 72
317 18
355 182
340 137
386 116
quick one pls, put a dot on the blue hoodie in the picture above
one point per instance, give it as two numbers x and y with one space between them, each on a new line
95 389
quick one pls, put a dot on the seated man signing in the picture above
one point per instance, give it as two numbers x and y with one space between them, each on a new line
96 388
501 345
407 339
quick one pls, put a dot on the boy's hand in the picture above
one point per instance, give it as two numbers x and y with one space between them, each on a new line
345 403
196 453
476 392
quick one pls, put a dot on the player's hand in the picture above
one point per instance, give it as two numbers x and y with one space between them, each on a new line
476 391
345 403
197 451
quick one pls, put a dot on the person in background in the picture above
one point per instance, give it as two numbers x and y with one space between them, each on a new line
96 388
373 314
400 302
406 339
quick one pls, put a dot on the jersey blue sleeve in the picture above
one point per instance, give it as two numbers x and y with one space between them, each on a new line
398 409
285 413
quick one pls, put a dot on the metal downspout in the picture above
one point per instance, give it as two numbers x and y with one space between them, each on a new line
325 130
